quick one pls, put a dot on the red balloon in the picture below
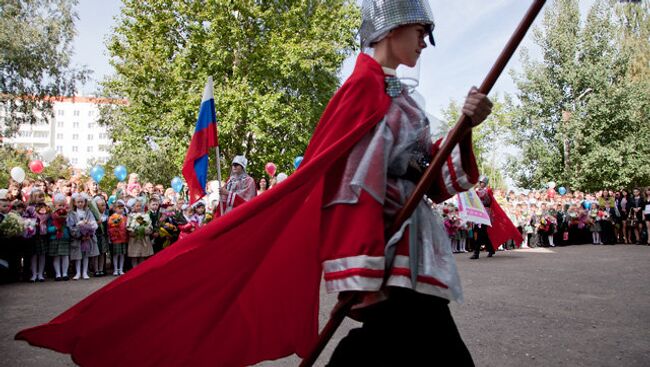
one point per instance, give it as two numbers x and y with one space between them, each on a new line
36 166
270 169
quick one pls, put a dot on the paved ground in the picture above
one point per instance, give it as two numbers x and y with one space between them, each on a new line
575 306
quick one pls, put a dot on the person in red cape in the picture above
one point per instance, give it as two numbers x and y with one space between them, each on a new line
501 229
245 288
239 188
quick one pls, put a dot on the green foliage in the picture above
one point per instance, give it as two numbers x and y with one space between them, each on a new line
36 42
274 64
584 108
488 137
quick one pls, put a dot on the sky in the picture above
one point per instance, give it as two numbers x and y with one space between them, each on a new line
469 36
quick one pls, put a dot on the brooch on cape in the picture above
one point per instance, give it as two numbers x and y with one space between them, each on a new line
393 86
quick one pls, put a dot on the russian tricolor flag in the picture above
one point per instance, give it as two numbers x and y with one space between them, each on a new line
195 167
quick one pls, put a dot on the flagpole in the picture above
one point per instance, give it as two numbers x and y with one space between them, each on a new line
219 178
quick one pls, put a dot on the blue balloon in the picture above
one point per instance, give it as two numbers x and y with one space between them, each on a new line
177 184
297 161
120 173
561 190
97 173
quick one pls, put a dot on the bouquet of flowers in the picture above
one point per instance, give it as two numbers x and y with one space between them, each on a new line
207 218
86 230
30 227
12 226
168 231
138 226
58 220
42 214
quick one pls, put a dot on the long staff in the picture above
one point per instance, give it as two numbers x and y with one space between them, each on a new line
463 126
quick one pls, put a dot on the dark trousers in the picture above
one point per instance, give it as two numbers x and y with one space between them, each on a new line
482 239
408 329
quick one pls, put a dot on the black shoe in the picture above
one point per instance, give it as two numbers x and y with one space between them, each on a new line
65 278
491 254
474 257
41 280
58 279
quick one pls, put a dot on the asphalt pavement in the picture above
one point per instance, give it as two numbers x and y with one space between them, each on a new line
572 306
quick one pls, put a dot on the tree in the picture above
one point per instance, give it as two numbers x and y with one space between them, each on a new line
488 137
583 107
36 43
274 63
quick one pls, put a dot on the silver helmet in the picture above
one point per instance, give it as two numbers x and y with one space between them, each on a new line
378 17
484 179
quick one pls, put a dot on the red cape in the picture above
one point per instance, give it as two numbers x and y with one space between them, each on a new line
502 228
242 289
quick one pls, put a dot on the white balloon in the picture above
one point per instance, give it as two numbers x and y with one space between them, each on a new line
551 185
18 174
48 155
281 177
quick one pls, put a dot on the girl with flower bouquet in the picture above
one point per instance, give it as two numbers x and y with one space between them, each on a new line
36 216
118 236
82 224
59 237
168 228
99 262
200 216
187 223
596 215
139 228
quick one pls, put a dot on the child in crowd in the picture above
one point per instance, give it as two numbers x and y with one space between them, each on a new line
83 226
118 236
594 222
186 224
168 227
139 228
59 237
36 216
200 217
155 216
99 262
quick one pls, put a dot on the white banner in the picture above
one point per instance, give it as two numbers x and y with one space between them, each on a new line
471 208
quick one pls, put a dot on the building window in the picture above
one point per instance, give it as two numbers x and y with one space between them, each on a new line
75 136
59 148
59 124
59 136
75 161
91 125
75 148
91 113
89 149
60 113
76 112
90 136
75 125
41 134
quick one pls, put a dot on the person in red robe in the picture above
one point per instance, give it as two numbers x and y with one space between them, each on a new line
501 228
245 288
239 188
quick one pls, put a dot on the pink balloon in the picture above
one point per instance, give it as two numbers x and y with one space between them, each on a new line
36 166
270 169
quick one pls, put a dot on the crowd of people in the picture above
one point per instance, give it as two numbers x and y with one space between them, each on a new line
46 224
548 219
73 220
